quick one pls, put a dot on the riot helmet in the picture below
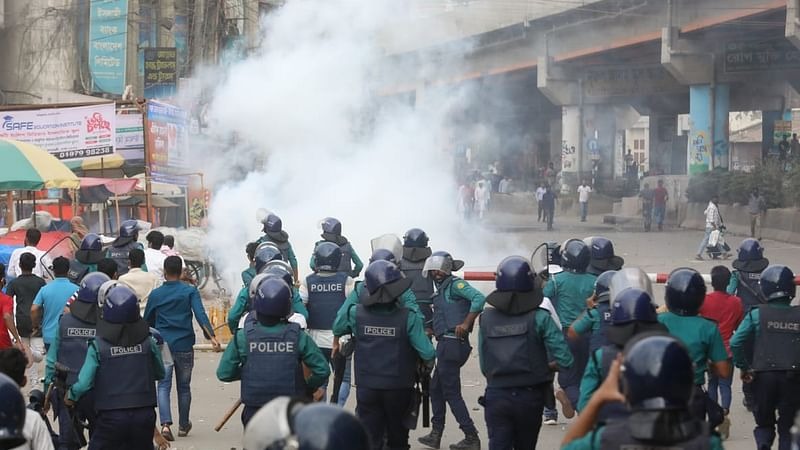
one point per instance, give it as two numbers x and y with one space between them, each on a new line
280 269
383 254
575 256
443 262
415 238
685 292
265 253
273 298
602 255
90 286
91 242
602 286
514 274
12 413
327 257
287 424
633 305
777 283
332 226
657 374
380 273
129 229
102 293
750 257
272 224
629 277
121 305
391 243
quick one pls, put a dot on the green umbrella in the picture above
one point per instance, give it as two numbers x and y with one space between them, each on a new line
27 167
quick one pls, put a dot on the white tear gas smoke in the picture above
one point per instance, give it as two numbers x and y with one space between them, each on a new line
324 142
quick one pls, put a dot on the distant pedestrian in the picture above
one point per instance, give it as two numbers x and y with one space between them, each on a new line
713 222
583 199
482 197
32 238
550 174
757 207
549 205
539 206
727 312
660 197
647 194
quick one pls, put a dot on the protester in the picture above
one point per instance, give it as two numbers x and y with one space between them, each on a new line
78 232
153 257
482 197
137 279
660 197
757 207
51 300
647 194
168 248
713 222
8 328
24 289
549 206
32 238
583 199
539 205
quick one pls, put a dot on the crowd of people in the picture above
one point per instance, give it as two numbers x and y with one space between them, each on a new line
636 376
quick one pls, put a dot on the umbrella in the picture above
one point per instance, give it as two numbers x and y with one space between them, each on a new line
25 166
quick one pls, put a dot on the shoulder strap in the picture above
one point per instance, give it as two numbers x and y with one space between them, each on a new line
758 294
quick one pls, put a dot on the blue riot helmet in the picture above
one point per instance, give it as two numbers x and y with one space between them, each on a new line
685 292
265 253
12 414
102 293
633 305
443 262
602 286
327 257
288 424
90 286
575 256
272 224
602 257
91 242
332 226
514 274
657 374
383 254
380 273
129 229
273 298
415 238
777 282
280 269
121 305
750 257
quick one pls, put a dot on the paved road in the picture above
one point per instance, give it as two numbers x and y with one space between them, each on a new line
653 252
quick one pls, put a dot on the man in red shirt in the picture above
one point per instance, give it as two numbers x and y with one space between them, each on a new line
727 311
7 313
660 197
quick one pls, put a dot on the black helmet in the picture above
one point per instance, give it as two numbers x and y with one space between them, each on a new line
383 254
685 291
380 273
658 374
91 242
265 253
514 274
750 257
273 298
327 257
129 229
415 238
777 282
284 424
602 285
575 256
331 225
633 305
602 255
272 224
12 413
90 285
121 305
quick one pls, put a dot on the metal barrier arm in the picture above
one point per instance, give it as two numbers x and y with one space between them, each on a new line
658 278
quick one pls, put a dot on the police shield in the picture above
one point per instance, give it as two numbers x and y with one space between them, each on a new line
389 242
540 259
630 277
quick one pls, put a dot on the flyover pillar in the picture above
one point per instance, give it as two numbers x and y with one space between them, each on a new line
709 106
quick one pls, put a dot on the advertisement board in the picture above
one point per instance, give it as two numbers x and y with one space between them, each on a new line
108 34
167 142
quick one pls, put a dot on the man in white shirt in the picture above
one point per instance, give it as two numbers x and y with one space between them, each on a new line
153 257
43 262
137 279
583 199
713 222
540 206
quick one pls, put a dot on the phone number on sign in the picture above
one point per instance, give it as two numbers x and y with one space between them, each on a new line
85 153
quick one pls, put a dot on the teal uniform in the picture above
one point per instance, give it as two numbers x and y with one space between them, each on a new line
416 331
592 378
357 263
89 370
702 339
248 275
750 327
239 307
589 320
592 442
406 298
551 336
568 291
460 289
289 252
235 356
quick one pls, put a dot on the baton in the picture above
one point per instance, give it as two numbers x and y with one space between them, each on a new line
228 415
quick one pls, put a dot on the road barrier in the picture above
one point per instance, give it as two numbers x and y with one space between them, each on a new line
658 278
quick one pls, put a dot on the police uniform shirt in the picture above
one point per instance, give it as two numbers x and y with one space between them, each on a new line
701 337
593 440
750 326
323 338
407 299
569 292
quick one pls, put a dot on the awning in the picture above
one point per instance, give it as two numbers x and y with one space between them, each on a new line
119 186
158 202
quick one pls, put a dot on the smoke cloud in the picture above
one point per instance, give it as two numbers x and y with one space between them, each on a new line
321 139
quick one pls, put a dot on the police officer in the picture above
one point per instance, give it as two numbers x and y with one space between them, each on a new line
244 300
288 424
775 368
75 330
390 340
685 292
86 258
597 316
514 341
658 384
332 232
122 364
568 290
632 313
123 244
324 293
456 305
415 252
274 233
250 272
748 265
602 256
12 414
267 354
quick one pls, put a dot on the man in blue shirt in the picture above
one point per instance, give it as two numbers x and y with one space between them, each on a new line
51 300
169 310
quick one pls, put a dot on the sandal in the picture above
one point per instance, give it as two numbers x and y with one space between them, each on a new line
167 433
